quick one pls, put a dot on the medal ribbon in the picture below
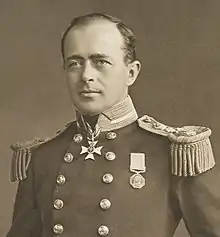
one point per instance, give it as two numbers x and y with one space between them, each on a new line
91 134
137 163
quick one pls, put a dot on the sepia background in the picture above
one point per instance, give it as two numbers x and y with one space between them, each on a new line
178 45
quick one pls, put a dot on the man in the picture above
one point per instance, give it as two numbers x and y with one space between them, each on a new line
110 173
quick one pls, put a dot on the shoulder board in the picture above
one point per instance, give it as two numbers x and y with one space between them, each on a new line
22 153
190 150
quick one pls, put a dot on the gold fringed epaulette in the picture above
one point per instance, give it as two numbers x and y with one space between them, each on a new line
22 155
191 150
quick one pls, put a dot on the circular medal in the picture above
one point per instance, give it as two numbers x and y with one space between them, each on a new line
137 181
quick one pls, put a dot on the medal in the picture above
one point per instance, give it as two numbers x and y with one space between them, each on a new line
91 150
137 166
92 135
137 181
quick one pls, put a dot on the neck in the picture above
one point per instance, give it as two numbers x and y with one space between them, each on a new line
92 120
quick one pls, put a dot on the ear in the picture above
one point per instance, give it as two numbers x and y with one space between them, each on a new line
133 71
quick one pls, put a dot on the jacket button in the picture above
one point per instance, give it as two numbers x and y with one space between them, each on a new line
78 138
107 178
110 156
58 204
111 135
61 179
105 204
103 230
68 158
58 229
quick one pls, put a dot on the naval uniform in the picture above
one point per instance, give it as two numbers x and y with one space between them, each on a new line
123 176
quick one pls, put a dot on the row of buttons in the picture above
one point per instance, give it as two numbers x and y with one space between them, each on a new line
78 137
107 178
68 158
104 204
102 230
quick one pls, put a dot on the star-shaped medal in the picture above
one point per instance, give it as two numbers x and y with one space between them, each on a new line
91 150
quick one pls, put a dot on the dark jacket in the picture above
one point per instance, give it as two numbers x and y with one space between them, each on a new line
154 210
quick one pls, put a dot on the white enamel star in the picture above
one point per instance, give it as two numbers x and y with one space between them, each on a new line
91 150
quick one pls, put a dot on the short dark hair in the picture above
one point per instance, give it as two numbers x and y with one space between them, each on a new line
127 34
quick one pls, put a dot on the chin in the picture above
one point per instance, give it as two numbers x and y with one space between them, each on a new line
89 110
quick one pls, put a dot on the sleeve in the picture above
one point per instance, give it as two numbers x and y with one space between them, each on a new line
199 199
195 177
26 217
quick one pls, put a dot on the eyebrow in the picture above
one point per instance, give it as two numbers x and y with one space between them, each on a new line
75 56
92 56
98 56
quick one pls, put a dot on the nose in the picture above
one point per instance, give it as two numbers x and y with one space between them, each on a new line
88 73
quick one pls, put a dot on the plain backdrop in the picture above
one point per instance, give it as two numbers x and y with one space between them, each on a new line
178 45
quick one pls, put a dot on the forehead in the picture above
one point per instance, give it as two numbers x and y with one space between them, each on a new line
99 36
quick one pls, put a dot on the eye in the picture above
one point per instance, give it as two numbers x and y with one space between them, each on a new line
102 63
74 64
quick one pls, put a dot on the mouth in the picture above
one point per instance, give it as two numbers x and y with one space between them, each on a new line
90 93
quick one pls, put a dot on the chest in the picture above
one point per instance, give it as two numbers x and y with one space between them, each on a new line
85 177
99 190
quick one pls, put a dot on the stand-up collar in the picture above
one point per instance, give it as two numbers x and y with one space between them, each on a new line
118 116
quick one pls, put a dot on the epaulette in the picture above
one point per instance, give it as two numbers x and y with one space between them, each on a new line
191 150
23 152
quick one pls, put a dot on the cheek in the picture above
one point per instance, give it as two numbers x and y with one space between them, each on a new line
72 88
115 77
72 80
117 82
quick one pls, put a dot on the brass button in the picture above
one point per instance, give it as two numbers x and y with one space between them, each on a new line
107 178
78 138
103 230
105 204
58 229
58 204
111 135
68 158
110 156
61 179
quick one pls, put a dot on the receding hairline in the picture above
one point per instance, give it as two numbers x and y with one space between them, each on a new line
128 37
89 21
92 22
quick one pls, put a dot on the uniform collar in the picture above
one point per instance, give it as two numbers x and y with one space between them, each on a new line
118 116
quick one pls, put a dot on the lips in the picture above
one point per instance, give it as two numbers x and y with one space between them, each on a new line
89 92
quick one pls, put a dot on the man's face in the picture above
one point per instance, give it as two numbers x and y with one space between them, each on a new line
97 76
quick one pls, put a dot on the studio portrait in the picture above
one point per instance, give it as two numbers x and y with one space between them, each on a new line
109 118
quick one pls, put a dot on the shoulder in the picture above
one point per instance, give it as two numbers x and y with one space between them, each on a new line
22 151
190 147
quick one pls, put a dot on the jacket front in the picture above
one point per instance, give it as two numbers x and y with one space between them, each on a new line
68 195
